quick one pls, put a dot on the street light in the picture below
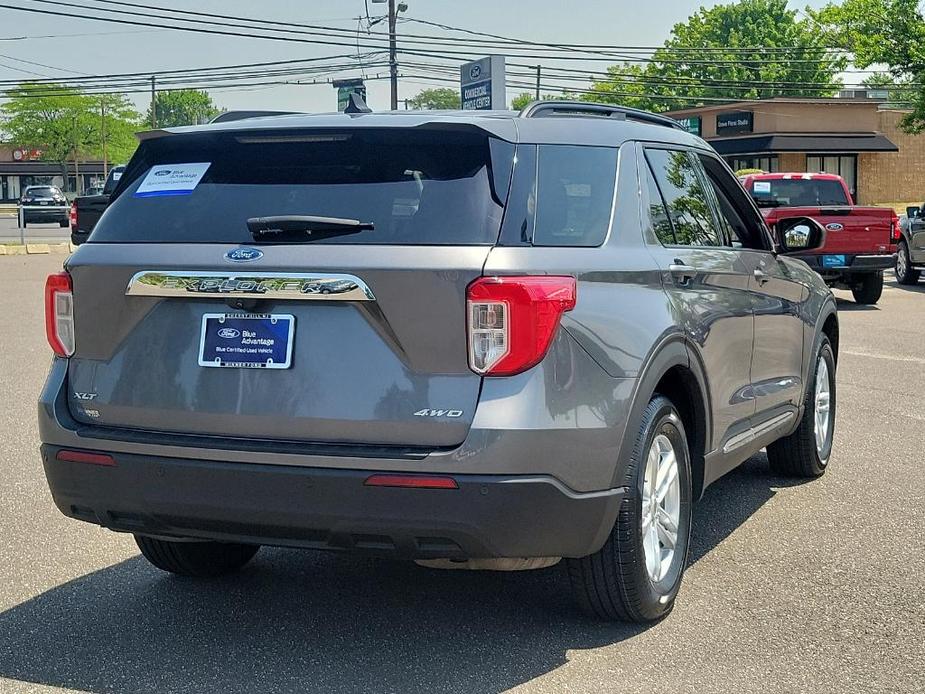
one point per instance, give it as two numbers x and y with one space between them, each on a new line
393 58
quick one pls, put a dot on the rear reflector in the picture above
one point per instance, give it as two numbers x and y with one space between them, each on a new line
512 320
85 457
412 481
59 314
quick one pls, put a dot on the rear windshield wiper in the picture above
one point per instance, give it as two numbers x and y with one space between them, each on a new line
304 227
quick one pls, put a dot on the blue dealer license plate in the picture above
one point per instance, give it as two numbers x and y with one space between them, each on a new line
246 341
833 261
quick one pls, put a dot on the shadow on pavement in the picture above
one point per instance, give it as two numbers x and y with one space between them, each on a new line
849 305
304 621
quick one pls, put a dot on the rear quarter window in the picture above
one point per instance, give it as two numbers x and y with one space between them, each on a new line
574 195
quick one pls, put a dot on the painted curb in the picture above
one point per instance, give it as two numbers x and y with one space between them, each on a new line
65 248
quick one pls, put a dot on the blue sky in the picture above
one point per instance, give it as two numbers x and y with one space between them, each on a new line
114 48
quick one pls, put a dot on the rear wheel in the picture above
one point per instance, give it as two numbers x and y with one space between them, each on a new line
196 559
806 452
636 575
904 272
868 288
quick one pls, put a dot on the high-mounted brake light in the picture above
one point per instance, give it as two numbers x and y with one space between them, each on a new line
59 314
72 215
512 320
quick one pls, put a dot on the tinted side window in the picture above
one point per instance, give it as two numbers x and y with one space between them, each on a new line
682 188
734 208
658 214
575 187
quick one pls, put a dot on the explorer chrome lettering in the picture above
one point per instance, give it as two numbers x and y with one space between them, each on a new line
337 287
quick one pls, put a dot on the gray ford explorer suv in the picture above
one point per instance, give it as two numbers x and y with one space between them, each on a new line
450 336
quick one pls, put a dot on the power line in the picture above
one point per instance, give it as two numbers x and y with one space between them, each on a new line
327 30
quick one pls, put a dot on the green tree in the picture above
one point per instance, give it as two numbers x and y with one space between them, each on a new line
178 107
435 99
900 93
67 124
883 32
750 49
520 101
117 123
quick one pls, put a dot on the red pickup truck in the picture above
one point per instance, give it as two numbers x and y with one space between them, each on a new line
860 242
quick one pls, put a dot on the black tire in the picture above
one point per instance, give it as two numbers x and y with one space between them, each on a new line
908 275
613 583
195 559
797 455
869 288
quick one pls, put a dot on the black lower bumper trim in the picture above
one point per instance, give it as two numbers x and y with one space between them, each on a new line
854 264
324 508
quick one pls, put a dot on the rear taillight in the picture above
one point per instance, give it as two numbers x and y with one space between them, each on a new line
897 232
59 314
73 216
512 320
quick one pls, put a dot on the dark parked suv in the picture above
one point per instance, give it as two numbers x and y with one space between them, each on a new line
436 336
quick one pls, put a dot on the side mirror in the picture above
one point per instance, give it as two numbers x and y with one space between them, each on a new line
799 234
913 212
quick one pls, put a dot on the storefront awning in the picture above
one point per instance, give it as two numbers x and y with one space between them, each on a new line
47 168
842 143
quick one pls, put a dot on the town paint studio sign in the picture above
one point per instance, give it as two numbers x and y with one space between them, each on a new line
735 122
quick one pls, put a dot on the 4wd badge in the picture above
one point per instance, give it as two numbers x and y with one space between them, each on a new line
439 413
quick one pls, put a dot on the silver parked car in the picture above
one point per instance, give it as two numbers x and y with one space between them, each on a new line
434 336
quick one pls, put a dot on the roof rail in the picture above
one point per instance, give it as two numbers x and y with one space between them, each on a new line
551 108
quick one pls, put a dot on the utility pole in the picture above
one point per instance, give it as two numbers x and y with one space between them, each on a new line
153 103
393 57
103 132
538 70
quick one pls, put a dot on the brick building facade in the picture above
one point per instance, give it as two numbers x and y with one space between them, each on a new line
858 138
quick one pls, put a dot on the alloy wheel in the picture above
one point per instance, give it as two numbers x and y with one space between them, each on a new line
661 507
823 406
901 262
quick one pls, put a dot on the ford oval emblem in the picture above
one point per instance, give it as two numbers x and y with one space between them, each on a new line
228 333
243 255
834 226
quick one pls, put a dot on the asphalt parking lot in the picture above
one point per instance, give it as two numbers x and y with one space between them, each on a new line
792 587
34 233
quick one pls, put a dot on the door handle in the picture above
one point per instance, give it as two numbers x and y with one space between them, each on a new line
681 272
761 276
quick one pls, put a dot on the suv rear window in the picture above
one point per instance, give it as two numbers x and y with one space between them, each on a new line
797 192
422 187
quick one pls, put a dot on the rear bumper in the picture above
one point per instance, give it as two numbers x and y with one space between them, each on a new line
853 264
487 516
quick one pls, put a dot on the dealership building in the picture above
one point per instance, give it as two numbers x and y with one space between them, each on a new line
21 167
855 136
